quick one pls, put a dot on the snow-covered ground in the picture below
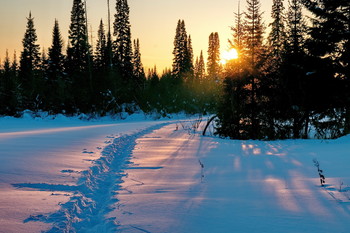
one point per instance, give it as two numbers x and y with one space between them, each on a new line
137 175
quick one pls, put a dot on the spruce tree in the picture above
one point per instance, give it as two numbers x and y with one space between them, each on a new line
277 34
78 64
294 81
200 67
56 57
177 52
4 78
30 56
56 79
213 63
330 42
254 28
78 51
183 53
139 72
242 112
238 33
14 65
189 56
296 28
330 33
101 61
123 45
7 64
29 64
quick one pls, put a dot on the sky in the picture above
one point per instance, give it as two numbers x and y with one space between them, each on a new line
152 21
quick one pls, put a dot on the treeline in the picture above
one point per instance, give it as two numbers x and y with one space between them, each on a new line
295 84
292 84
106 79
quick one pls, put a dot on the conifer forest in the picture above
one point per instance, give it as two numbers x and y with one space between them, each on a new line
291 78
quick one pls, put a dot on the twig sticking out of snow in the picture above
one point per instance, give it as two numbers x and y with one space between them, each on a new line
320 172
202 170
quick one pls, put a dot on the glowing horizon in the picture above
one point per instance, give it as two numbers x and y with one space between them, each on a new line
153 22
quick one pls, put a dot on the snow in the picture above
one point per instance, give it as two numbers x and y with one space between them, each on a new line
140 175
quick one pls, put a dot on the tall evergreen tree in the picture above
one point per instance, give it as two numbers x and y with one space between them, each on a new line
330 36
183 60
109 43
9 93
296 28
190 55
123 45
30 56
200 67
213 63
238 42
14 65
78 51
4 76
254 28
78 61
277 34
242 111
7 63
29 64
101 59
56 57
293 80
139 72
238 33
56 80
329 41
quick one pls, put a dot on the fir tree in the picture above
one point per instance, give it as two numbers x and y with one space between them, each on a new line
123 45
139 72
238 33
200 67
7 64
236 66
178 47
330 33
101 48
56 80
190 55
78 62
30 64
296 29
213 63
330 42
277 34
30 56
14 65
254 28
78 51
56 57
183 54
293 80
242 111
9 93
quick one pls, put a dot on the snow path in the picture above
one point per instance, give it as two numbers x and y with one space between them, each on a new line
41 162
248 186
157 177
93 195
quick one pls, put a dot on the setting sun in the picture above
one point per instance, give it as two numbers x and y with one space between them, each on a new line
229 55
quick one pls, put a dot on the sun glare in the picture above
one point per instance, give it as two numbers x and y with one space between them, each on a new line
228 56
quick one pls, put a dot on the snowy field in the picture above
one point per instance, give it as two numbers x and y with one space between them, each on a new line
141 175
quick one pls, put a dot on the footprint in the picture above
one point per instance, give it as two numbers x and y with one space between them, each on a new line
85 151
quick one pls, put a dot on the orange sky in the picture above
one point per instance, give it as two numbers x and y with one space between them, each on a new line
152 21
